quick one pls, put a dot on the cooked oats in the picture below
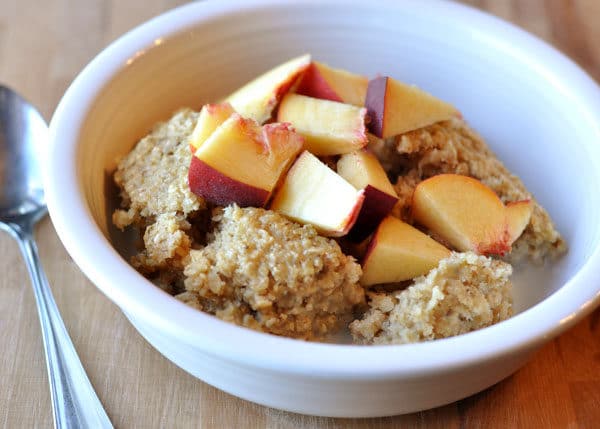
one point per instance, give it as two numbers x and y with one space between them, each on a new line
153 177
281 277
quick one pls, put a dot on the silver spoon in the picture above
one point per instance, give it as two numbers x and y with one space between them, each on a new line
23 137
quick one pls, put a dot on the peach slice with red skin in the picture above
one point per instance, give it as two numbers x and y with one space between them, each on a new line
328 127
210 117
312 193
395 108
468 215
258 98
398 252
218 188
363 171
242 162
322 81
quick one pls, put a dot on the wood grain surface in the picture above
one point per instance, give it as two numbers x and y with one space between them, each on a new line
43 45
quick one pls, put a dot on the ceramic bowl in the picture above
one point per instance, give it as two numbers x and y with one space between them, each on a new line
539 112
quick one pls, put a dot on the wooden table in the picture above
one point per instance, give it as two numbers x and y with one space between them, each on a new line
43 45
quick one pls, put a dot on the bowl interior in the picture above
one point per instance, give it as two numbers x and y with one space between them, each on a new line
528 116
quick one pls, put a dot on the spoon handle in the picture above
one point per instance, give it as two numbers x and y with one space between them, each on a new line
74 402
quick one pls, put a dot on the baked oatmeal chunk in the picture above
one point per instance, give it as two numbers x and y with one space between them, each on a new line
453 147
153 177
263 271
165 244
464 293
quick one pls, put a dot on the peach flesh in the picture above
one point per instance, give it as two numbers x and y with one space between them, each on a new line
312 193
399 252
328 127
463 212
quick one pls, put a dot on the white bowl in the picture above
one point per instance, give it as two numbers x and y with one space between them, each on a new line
538 111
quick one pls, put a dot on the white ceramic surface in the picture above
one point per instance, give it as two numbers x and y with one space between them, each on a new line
539 112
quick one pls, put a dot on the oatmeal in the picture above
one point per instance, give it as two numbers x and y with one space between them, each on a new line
153 177
155 192
271 274
304 225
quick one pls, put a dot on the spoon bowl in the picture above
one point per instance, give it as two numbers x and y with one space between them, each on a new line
23 137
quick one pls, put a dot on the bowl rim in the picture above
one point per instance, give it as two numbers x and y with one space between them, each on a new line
72 219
